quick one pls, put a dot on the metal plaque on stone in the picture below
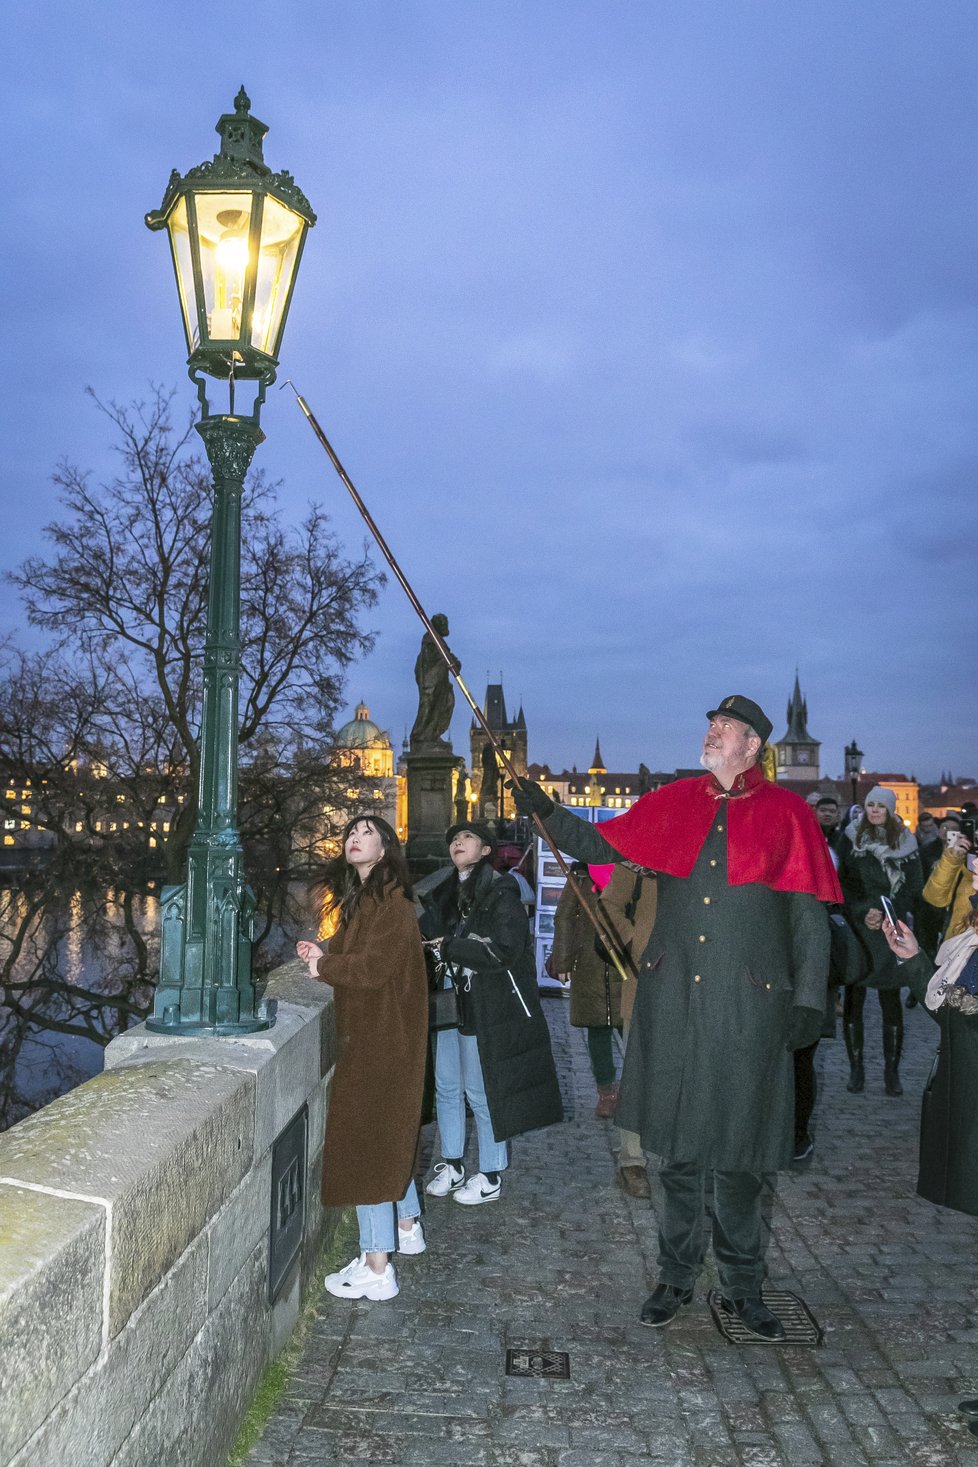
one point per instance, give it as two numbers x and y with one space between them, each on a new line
288 1201
542 1364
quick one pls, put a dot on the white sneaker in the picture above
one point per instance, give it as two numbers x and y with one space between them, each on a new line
352 1266
358 1281
447 1179
411 1240
477 1189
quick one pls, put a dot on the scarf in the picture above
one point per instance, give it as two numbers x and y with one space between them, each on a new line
953 956
893 861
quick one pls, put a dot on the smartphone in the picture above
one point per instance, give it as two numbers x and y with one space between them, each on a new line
890 915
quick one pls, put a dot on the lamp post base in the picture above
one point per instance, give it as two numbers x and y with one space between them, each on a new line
207 932
176 1029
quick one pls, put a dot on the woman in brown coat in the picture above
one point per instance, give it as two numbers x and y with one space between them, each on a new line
376 966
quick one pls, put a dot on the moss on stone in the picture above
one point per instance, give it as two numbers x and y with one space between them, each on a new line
279 1373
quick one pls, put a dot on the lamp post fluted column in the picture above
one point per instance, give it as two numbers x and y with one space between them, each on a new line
205 961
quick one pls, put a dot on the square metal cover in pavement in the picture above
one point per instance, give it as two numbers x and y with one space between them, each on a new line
800 1325
550 1364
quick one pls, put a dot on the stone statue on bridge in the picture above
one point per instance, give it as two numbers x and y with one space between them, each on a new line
436 696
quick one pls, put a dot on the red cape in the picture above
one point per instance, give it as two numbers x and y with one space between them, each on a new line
772 837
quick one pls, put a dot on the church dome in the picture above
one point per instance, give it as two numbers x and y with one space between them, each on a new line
361 732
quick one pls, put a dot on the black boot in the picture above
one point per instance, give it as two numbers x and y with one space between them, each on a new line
892 1049
854 1049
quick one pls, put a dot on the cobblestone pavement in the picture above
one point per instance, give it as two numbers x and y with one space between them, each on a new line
564 1262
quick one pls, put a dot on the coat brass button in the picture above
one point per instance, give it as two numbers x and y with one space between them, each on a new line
697 979
706 901
719 827
767 985
713 863
702 937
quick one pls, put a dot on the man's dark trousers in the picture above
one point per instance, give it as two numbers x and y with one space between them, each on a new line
740 1234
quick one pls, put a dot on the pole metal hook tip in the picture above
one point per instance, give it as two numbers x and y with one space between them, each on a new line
288 383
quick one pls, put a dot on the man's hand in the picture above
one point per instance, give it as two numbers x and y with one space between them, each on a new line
874 919
310 953
529 798
806 1027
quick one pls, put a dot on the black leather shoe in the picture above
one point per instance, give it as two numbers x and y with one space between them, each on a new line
754 1313
663 1304
968 1408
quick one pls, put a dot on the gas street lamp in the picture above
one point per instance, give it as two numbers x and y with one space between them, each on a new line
236 234
853 756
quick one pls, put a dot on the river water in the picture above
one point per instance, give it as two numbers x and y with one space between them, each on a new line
83 965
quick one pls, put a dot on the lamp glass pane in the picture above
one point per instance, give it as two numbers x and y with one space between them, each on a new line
223 222
281 235
184 266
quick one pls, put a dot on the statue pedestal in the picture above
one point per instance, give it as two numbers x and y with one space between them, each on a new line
430 808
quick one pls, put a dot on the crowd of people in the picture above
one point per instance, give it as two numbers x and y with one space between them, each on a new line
746 916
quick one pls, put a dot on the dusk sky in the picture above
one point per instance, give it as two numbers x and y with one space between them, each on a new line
648 330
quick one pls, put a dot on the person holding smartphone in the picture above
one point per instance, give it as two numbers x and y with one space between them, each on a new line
948 990
879 858
947 893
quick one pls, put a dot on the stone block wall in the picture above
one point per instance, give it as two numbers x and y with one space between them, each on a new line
135 1324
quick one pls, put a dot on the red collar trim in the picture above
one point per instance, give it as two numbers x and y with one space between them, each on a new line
744 784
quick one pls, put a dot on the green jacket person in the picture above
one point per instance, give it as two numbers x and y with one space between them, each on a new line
733 979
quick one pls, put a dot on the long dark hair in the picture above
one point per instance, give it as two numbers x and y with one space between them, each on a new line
340 888
891 830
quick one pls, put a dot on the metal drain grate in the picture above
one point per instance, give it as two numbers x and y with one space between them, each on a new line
548 1364
800 1325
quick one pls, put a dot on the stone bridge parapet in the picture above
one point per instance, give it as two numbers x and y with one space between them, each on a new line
136 1222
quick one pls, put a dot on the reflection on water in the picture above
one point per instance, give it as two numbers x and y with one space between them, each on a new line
78 968
73 957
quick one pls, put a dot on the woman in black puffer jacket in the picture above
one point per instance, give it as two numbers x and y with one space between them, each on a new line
499 1057
877 858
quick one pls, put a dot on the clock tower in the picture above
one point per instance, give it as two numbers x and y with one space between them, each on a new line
797 751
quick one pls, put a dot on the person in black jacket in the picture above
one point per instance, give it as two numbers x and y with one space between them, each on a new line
827 814
879 859
499 1057
948 989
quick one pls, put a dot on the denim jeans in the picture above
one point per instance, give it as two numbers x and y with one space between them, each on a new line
740 1234
377 1221
458 1074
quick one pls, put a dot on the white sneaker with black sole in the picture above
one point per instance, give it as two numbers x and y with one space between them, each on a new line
447 1179
359 1281
411 1240
476 1190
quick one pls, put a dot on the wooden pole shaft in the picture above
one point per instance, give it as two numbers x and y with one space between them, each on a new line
599 919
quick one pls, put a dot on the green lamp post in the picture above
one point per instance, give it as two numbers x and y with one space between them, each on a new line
236 234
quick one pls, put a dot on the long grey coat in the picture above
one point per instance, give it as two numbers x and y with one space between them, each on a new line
707 1077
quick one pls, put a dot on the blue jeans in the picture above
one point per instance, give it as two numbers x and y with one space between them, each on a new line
458 1074
377 1221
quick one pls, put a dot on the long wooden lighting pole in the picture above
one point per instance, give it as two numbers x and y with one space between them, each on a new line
599 918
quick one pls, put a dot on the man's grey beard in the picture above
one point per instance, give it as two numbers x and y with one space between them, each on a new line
710 760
